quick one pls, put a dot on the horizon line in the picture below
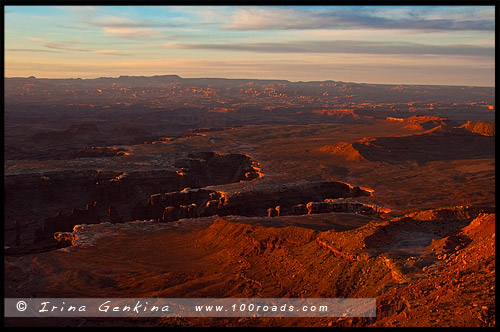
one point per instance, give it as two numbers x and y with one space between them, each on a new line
248 79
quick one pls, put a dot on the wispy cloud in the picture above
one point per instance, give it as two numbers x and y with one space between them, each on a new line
67 46
352 18
110 52
341 46
129 33
128 28
29 50
36 40
118 22
64 46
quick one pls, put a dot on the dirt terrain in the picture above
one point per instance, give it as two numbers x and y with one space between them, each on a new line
398 209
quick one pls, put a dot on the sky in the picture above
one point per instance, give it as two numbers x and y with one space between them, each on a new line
439 45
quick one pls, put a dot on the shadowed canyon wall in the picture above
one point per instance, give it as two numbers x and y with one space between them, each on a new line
39 199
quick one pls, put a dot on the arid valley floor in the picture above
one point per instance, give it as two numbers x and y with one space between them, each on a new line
399 208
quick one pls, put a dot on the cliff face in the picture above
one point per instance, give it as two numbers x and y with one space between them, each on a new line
56 200
257 202
114 204
480 127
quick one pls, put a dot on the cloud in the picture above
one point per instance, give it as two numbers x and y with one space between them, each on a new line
123 27
64 46
110 52
119 22
29 50
352 18
67 46
341 46
36 40
267 18
129 33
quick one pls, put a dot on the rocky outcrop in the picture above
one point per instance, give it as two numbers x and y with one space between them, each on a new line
257 201
353 206
299 209
183 211
450 213
211 208
480 127
34 198
114 217
168 215
211 168
318 207
187 203
344 205
194 202
99 152
421 122
65 239
343 150
271 212
62 223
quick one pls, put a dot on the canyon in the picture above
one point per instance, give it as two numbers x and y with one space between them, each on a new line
328 201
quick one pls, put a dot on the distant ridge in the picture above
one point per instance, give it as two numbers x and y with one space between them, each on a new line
175 77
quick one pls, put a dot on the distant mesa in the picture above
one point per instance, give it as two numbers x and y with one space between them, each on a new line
449 213
341 113
480 127
343 149
421 122
99 152
441 141
433 146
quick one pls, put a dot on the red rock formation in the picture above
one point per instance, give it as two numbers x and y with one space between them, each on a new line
192 210
210 208
480 127
344 150
183 211
318 207
271 212
256 202
64 239
168 215
299 209
114 217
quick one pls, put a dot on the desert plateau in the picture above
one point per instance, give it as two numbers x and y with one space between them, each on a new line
395 203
